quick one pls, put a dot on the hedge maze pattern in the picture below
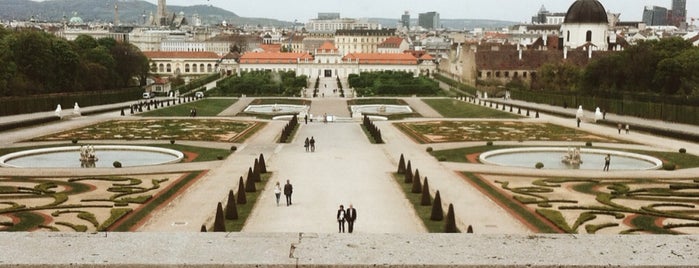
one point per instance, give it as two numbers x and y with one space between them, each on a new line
463 131
623 206
75 204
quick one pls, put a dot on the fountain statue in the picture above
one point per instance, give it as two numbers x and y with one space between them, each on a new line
58 110
87 155
572 157
275 108
382 109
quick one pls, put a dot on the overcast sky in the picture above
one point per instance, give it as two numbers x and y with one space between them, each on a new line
510 10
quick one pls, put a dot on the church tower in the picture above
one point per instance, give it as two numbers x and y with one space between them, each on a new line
586 24
161 15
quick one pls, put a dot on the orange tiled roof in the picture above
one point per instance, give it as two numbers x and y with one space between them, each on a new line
181 55
426 57
382 58
274 57
271 47
327 46
392 42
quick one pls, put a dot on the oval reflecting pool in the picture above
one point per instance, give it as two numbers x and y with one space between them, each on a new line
69 157
552 158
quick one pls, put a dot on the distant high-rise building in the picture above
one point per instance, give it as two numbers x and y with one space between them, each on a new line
405 20
429 20
546 17
161 18
678 14
655 15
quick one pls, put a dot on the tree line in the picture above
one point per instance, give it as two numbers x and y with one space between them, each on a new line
668 66
35 62
389 83
262 83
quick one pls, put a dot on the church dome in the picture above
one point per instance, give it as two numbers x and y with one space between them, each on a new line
586 11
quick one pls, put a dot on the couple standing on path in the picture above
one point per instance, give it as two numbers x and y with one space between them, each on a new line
349 215
310 145
288 190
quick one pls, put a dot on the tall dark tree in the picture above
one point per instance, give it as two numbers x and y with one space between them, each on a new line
242 198
450 224
256 171
401 165
219 221
408 173
417 186
250 182
425 199
263 165
437 212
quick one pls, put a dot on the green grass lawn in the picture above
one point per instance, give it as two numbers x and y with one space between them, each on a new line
374 101
451 108
245 209
459 155
424 212
205 107
280 101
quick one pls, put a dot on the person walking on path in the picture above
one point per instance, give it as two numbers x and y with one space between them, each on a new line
350 216
313 144
277 192
305 118
627 128
618 126
341 219
607 159
306 144
288 190
579 122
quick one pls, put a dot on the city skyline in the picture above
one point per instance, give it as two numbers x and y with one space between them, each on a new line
517 11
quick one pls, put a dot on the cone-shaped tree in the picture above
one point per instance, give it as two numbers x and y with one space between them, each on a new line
437 212
469 230
250 182
263 165
417 186
242 198
426 200
203 228
231 208
450 225
256 171
219 222
401 165
408 173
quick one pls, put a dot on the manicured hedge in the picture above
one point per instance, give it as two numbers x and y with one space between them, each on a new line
48 102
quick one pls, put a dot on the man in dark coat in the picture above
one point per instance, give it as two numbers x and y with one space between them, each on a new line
350 216
288 189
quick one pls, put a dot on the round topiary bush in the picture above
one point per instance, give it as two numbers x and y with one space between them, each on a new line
669 166
489 143
429 149
74 141
588 144
172 141
683 150
219 157
234 148
539 165
116 164
442 159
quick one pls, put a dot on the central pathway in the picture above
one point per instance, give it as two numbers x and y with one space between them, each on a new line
344 169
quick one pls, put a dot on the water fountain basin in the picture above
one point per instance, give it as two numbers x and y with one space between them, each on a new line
593 159
69 157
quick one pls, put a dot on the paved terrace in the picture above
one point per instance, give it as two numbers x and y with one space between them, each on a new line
344 168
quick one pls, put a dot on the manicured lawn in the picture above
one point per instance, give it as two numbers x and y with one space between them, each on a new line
373 101
206 107
451 108
424 212
280 101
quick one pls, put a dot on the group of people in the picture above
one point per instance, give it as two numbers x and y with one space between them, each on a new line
349 215
619 127
193 112
310 144
288 190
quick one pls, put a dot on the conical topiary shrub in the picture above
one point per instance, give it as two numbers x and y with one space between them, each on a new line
231 209
250 182
203 228
401 165
408 173
417 186
469 230
263 165
437 212
242 198
450 225
256 171
219 222
426 199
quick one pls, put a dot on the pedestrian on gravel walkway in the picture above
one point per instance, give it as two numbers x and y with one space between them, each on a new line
306 144
341 219
288 190
277 192
313 144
